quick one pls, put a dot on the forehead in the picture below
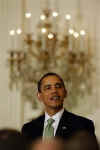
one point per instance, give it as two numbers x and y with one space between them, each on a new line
51 80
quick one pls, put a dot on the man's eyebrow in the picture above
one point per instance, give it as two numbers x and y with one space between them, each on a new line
46 85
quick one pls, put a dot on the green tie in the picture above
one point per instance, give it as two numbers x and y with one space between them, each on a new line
49 130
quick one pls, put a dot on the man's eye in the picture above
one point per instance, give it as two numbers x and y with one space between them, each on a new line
47 87
59 85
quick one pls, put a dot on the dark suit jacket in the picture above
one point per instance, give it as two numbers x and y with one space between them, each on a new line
69 124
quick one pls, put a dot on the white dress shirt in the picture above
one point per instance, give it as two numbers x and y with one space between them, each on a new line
56 117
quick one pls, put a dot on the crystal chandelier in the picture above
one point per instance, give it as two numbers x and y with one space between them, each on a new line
61 49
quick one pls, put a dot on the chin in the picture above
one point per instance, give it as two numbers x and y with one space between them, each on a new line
58 106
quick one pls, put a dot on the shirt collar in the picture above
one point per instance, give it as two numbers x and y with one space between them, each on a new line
57 116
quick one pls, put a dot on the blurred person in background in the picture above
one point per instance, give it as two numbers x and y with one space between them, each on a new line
82 140
11 139
47 144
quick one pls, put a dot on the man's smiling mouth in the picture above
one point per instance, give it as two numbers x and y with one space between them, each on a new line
55 98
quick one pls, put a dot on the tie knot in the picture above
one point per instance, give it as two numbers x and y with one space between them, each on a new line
50 121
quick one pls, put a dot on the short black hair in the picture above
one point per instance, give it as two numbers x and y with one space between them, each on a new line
46 75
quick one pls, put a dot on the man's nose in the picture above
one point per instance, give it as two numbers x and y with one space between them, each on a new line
54 89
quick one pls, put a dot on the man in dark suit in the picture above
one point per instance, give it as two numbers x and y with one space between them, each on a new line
52 91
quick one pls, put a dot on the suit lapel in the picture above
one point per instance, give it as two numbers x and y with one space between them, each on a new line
40 125
64 125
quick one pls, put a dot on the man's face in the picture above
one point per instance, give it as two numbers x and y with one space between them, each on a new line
52 92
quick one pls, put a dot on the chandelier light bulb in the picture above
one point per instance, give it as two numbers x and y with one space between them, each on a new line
28 15
68 17
50 36
82 32
43 30
71 31
83 86
42 17
76 34
12 32
55 14
19 31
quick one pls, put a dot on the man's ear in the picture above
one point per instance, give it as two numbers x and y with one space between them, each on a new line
39 96
65 93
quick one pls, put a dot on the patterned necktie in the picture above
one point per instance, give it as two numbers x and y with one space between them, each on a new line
49 130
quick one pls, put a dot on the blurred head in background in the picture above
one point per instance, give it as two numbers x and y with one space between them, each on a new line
47 144
11 139
82 140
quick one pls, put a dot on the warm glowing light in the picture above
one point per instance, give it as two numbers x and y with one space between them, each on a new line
82 32
55 14
76 34
71 31
28 15
68 16
19 31
43 30
42 17
50 36
12 32
82 86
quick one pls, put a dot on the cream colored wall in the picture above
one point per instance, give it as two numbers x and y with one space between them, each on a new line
10 103
13 111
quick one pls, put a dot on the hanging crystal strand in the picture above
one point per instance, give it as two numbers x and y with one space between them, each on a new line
44 22
80 28
55 25
55 14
